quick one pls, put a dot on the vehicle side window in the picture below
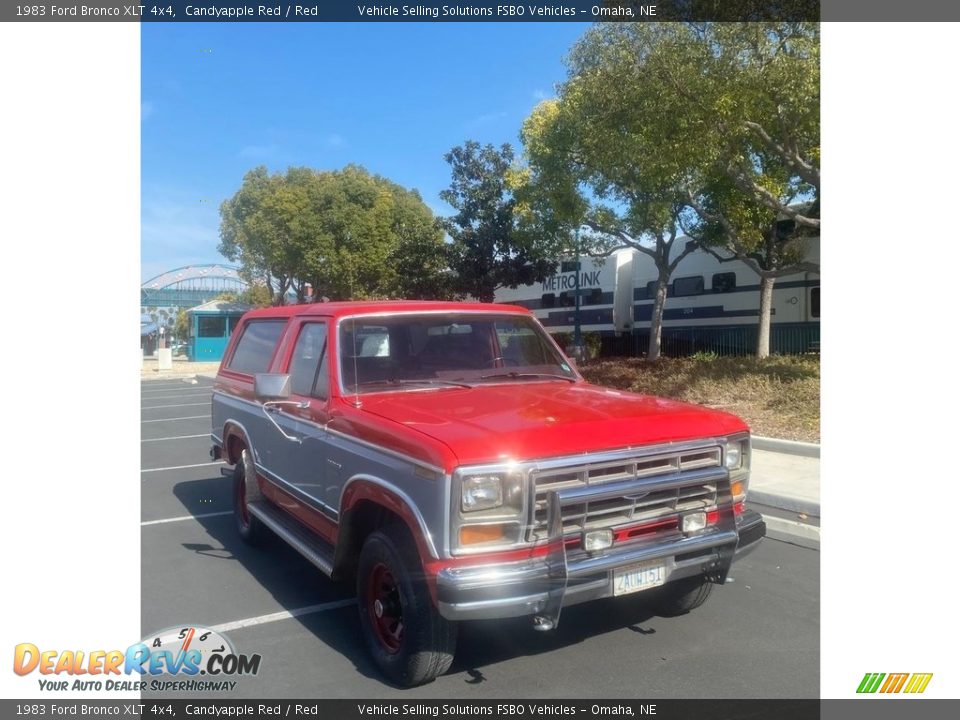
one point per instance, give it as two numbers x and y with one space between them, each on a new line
308 366
256 346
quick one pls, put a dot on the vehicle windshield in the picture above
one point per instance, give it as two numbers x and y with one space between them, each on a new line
415 351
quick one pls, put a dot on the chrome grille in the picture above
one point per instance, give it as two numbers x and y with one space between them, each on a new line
640 507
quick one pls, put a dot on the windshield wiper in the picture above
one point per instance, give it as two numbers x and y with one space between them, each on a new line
514 375
411 381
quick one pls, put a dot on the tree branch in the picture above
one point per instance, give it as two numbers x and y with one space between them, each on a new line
790 156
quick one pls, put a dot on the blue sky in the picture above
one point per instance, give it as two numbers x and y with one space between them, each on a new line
219 99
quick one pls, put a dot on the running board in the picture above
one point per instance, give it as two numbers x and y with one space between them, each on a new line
292 532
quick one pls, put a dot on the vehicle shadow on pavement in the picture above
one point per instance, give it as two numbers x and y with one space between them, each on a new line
488 642
281 571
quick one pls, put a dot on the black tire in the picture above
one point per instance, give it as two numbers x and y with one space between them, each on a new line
682 596
407 637
245 491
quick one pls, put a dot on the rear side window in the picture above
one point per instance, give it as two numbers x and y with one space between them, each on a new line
256 346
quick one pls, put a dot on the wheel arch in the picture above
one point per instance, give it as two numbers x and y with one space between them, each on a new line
368 503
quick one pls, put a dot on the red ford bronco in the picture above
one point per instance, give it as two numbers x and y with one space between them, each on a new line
450 459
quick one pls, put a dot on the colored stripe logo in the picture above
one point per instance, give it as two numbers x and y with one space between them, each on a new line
894 682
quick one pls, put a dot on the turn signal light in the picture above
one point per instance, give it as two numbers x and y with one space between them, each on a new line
738 489
476 534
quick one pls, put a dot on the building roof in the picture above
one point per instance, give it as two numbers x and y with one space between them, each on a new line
221 306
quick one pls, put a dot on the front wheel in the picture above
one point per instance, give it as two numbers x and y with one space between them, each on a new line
682 596
245 491
409 640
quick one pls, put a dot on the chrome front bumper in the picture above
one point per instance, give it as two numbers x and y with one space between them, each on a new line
543 586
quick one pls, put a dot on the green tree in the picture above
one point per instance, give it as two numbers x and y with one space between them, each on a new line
719 121
256 295
181 328
488 251
352 235
575 181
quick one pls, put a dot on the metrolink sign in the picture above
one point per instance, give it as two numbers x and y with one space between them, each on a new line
569 281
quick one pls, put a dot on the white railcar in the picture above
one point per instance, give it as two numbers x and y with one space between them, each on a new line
711 305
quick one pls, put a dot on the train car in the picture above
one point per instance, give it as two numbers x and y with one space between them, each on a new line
711 305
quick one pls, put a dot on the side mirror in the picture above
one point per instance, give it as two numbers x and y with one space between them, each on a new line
271 386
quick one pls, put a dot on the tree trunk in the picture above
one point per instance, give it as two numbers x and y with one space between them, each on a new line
656 318
766 304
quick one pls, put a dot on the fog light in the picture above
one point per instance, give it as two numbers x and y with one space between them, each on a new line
596 540
694 521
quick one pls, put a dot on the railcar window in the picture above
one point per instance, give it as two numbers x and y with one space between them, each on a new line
724 282
548 300
815 302
569 266
651 290
594 297
256 346
692 285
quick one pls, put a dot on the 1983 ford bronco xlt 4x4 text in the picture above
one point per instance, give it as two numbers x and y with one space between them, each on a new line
451 460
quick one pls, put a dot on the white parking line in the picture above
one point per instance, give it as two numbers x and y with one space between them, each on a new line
283 615
154 407
184 467
185 517
188 417
176 437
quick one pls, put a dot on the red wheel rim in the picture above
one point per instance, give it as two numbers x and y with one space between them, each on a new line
240 492
384 607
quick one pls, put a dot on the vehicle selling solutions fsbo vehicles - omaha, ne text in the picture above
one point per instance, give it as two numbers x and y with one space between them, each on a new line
451 460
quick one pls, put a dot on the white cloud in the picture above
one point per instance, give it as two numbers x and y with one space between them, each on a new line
177 229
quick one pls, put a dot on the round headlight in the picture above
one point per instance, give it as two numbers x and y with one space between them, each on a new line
732 456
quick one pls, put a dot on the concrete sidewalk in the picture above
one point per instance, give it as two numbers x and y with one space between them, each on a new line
786 489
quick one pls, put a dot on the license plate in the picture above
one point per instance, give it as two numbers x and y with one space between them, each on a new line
638 577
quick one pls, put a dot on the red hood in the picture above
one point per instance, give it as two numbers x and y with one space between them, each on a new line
527 420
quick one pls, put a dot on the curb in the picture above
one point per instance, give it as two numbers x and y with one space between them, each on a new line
792 531
785 502
790 447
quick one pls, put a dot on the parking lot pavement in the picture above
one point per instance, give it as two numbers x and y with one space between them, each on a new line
758 636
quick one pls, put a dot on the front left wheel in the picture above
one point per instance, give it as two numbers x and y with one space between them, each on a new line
407 637
245 491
